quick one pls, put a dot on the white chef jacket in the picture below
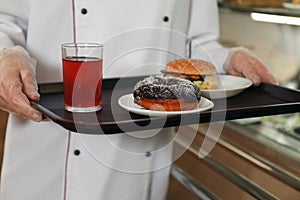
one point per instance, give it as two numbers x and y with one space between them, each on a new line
45 161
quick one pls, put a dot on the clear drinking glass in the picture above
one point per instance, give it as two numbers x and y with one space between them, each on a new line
82 76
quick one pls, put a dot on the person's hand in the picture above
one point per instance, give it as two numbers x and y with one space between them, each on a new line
242 63
18 85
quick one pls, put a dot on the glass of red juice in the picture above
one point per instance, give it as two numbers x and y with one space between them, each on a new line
82 76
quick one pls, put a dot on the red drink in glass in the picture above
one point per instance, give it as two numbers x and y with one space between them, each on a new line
82 82
82 74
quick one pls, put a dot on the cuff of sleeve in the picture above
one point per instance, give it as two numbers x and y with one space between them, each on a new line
5 41
21 50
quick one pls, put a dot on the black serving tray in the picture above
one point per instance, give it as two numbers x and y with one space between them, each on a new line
255 101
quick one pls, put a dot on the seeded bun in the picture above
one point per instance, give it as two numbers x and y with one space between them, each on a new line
200 72
191 67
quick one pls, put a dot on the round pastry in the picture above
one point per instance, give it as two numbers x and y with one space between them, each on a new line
166 94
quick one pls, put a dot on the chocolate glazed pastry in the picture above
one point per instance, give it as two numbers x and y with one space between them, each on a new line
166 94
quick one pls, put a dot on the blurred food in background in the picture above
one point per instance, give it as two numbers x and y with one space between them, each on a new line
256 3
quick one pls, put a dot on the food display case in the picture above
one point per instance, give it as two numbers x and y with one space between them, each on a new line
249 161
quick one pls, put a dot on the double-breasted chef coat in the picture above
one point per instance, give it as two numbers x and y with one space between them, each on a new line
44 161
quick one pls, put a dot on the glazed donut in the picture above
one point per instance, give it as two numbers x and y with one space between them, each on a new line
166 94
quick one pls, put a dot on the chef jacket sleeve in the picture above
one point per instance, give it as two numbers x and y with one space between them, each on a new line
204 33
12 30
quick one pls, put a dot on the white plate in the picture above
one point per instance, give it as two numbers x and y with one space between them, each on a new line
291 6
228 86
127 102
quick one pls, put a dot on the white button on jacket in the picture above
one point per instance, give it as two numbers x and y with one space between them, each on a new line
43 161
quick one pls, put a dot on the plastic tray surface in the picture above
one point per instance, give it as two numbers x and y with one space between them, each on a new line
255 101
